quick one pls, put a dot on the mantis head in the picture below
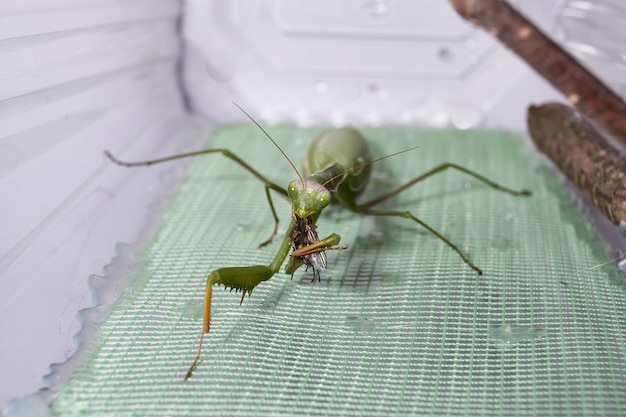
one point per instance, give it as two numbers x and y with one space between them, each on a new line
308 197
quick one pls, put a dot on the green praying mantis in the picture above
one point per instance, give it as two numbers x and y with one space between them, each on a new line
337 168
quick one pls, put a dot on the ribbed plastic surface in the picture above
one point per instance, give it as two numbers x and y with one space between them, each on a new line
399 324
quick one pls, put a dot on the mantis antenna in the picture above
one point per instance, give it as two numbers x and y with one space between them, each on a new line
366 164
273 141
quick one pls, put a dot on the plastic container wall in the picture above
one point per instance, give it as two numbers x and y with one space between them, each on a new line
149 77
76 78
364 62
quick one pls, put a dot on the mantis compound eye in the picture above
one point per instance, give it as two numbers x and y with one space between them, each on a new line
293 190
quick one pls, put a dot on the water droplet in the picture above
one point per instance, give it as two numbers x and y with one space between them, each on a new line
321 86
440 118
244 227
509 217
378 91
372 118
299 140
193 310
304 118
445 54
376 9
501 242
465 117
380 176
507 334
360 324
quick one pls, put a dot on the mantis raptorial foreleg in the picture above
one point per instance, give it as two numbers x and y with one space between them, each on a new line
246 278
323 245
241 278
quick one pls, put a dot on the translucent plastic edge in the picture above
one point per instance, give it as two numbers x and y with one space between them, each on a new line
117 281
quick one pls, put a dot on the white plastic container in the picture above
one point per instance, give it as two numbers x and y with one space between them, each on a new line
152 77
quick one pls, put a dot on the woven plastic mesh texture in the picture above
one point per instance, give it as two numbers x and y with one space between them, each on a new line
399 324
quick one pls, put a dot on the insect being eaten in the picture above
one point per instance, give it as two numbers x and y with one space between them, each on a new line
337 167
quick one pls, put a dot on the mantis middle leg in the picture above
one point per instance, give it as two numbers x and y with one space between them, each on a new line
269 185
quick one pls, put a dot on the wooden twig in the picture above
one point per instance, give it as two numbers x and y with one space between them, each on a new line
583 155
588 94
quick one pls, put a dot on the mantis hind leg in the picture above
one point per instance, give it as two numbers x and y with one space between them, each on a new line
410 216
437 170
366 207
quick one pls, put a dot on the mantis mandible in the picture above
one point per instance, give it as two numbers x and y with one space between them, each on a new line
337 166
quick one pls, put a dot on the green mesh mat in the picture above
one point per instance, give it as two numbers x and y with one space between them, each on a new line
399 324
